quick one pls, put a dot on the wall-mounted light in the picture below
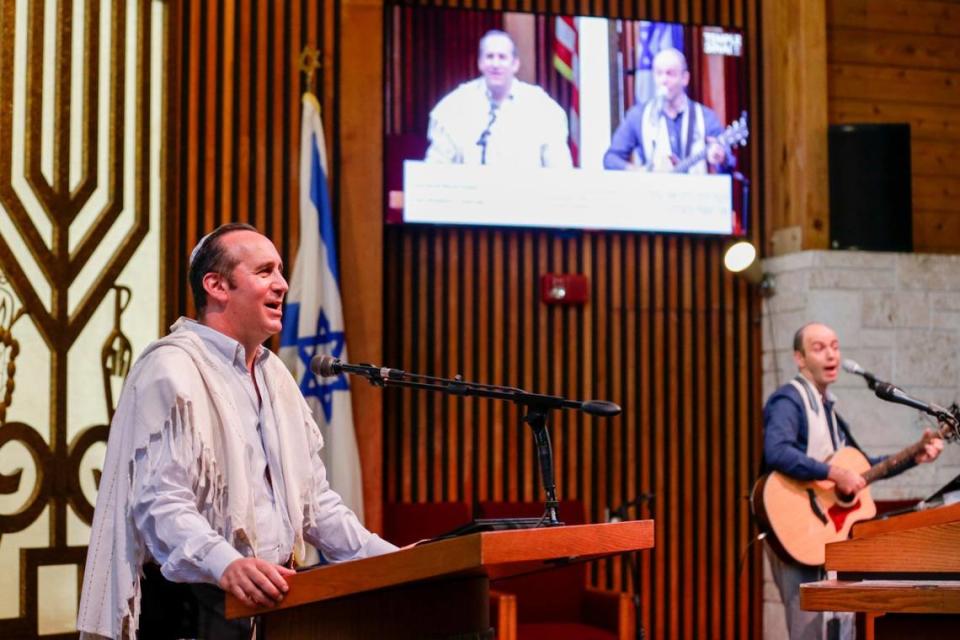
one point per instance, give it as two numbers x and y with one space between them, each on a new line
742 258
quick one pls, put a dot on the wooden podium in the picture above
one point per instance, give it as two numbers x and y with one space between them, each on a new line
902 572
435 590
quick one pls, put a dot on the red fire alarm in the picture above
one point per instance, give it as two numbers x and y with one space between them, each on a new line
564 288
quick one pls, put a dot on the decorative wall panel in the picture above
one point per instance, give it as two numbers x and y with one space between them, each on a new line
80 129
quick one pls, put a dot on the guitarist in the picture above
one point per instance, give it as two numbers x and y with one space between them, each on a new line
801 430
669 127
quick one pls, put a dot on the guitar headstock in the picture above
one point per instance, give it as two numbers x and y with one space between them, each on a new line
736 133
950 425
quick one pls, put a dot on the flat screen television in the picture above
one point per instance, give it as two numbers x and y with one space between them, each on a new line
514 119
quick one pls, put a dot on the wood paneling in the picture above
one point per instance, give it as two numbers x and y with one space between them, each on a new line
238 124
893 84
937 17
892 61
795 89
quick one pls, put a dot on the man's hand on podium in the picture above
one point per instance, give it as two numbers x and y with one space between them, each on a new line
255 582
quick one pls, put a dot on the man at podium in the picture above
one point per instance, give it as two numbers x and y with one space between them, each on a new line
213 480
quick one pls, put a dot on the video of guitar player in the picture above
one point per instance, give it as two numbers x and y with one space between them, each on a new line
620 112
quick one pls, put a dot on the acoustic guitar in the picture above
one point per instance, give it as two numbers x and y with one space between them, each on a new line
736 133
800 518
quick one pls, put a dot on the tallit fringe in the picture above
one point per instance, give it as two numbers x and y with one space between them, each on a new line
312 489
190 451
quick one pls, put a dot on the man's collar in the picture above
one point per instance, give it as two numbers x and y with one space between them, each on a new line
681 109
486 90
228 347
814 394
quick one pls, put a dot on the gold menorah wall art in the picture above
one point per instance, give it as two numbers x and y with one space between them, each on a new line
81 103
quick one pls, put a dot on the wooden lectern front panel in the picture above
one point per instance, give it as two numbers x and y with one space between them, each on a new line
449 607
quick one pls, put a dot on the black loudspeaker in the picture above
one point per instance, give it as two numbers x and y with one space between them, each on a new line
870 197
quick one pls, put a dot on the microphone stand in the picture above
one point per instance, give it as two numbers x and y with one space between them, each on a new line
892 393
744 196
535 405
633 564
482 142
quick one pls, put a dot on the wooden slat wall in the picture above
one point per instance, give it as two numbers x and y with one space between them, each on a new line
894 61
236 135
667 334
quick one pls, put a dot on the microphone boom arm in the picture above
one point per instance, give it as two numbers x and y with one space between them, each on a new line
947 417
536 407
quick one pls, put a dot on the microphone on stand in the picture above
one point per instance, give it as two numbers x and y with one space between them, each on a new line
327 366
661 96
893 393
482 141
852 367
602 408
620 513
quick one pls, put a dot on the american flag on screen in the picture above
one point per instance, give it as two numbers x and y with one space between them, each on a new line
565 60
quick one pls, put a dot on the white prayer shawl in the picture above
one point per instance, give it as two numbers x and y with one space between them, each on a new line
528 129
200 418
819 441
656 138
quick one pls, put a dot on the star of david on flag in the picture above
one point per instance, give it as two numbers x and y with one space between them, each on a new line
313 317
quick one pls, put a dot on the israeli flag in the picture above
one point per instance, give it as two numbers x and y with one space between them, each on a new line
313 320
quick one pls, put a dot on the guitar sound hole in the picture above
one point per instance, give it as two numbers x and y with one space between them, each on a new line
846 499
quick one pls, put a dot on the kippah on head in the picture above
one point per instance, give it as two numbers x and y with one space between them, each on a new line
199 245
210 256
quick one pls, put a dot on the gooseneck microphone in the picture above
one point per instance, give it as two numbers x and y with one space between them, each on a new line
327 366
851 366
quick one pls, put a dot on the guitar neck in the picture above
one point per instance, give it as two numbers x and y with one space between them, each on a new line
893 463
684 165
901 459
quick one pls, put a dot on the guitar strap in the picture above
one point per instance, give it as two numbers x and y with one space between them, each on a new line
823 437
693 120
654 145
